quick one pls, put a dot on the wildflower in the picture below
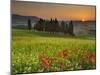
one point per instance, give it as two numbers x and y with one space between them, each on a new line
44 60
92 57
63 53
89 57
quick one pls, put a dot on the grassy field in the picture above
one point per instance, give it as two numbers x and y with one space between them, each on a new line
34 52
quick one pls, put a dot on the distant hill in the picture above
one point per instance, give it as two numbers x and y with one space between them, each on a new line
21 21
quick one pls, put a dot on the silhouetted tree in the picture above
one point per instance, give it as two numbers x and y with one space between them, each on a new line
66 28
56 25
51 25
62 26
47 25
70 28
29 24
40 26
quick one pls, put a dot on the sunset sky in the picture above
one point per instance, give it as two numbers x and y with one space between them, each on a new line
59 11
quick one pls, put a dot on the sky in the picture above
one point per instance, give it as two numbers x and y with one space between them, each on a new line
53 10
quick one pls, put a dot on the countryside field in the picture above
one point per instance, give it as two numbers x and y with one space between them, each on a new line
34 52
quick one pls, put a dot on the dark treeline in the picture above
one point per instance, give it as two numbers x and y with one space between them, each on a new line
53 26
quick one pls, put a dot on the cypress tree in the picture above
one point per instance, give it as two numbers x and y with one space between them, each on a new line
29 24
63 26
70 28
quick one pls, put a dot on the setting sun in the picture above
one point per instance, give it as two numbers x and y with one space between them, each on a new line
83 20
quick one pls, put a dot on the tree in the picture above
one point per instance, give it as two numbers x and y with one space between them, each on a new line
70 28
51 25
40 26
62 26
29 24
56 25
46 25
66 28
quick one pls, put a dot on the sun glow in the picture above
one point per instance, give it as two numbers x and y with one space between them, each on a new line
83 20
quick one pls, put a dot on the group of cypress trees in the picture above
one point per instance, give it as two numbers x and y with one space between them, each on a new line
52 26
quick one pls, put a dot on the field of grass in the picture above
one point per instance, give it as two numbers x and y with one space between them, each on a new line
34 52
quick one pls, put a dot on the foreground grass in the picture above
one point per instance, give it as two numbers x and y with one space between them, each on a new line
44 52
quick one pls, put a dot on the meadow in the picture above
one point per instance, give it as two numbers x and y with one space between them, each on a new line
34 52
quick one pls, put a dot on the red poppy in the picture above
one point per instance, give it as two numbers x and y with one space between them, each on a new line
63 53
92 57
44 60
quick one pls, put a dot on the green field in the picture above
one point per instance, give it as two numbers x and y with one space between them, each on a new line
34 52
